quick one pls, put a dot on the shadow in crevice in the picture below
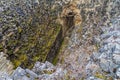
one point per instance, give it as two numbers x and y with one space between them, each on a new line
69 18
69 22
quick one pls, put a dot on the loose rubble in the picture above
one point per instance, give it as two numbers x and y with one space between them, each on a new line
41 71
109 53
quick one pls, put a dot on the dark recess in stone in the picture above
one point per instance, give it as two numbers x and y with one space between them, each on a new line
55 47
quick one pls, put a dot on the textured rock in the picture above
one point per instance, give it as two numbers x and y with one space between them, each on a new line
94 38
20 21
109 52
116 59
47 73
4 76
93 78
92 53
5 65
31 73
18 74
118 72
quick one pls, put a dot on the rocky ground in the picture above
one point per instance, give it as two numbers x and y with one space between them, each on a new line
92 52
83 45
106 60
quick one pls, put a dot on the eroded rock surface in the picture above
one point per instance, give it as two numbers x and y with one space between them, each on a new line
92 52
28 29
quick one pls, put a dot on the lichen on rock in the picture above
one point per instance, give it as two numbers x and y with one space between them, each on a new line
30 30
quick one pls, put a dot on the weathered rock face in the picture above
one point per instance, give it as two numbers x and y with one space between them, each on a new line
92 52
97 16
28 30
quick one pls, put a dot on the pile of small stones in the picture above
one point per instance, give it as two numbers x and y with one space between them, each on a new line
41 71
108 57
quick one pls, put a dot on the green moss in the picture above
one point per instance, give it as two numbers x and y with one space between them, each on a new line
56 59
23 57
16 63
36 47
19 29
1 47
33 38
36 58
98 75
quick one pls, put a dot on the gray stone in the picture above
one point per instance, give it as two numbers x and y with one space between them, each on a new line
118 46
38 68
8 78
44 77
25 78
18 73
49 65
117 51
32 74
44 66
116 59
107 65
1 78
118 72
1 9
36 1
117 40
37 64
4 76
93 78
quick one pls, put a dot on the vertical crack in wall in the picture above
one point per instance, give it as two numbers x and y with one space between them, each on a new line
69 19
